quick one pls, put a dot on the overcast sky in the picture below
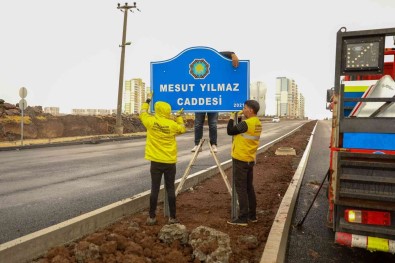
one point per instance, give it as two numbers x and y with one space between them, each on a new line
67 54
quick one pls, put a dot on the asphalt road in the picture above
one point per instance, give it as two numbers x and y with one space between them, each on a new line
41 187
314 242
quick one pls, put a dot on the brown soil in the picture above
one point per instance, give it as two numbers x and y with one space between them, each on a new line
208 204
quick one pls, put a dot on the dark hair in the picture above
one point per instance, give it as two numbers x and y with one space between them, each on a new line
253 104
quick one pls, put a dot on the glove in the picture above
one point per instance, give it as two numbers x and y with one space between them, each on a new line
149 97
180 112
233 114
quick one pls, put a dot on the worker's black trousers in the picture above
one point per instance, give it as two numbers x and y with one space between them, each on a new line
169 173
243 176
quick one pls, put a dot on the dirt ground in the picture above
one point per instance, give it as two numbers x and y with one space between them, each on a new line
208 204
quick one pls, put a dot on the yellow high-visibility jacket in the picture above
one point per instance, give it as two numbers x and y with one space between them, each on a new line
245 144
161 144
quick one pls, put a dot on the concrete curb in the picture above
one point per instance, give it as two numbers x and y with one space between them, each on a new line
276 244
33 245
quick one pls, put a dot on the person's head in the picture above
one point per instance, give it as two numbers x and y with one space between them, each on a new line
251 108
162 109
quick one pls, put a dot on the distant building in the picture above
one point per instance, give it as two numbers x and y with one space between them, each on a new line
52 110
93 112
281 96
258 92
289 102
134 94
301 106
293 105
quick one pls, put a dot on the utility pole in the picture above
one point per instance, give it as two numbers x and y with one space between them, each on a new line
125 8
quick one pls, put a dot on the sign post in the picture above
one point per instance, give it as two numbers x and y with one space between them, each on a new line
22 106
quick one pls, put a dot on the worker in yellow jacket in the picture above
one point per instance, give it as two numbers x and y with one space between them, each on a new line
161 150
244 147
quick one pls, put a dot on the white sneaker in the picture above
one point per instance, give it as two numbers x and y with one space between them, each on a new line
194 149
214 147
150 221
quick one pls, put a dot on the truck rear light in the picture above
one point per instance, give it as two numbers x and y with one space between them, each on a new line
353 216
367 217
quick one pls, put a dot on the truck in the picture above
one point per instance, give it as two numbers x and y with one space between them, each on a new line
361 174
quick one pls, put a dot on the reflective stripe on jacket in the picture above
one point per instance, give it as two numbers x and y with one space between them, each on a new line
161 144
245 145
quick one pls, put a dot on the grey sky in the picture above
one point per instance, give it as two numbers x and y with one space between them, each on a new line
67 55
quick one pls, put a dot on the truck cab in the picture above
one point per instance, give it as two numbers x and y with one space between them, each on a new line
361 193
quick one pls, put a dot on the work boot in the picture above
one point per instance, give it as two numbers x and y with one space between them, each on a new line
194 149
238 222
253 219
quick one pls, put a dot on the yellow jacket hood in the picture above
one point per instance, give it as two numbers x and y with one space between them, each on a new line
162 109
161 144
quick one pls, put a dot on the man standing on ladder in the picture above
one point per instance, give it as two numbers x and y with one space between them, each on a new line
244 147
212 117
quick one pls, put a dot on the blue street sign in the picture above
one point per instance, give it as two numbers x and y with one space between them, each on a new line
200 79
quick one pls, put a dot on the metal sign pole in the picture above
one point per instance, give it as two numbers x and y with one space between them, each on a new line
22 106
166 208
22 128
234 211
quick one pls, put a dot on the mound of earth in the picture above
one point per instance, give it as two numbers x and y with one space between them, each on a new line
40 125
207 204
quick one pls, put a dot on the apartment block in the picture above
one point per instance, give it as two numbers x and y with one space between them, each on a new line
289 101
301 106
135 93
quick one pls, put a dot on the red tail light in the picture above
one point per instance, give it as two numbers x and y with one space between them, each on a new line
368 217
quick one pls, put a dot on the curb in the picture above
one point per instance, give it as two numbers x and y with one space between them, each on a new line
276 244
34 245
